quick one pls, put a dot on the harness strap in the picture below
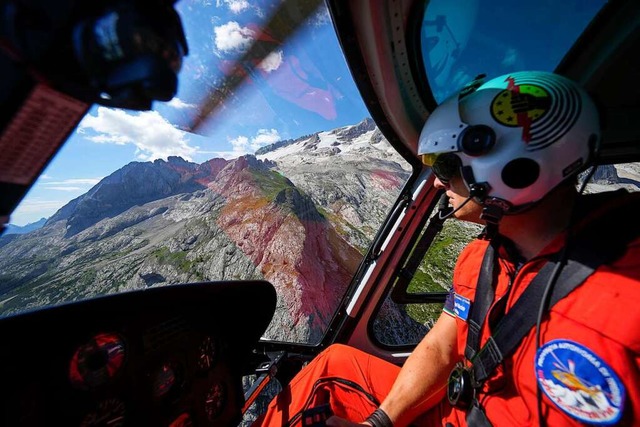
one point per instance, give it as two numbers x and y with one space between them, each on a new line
522 316
476 417
485 293
618 227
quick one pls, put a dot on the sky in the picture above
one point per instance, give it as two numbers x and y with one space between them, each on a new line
302 87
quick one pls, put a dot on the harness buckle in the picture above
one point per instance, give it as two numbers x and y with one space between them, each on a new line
460 390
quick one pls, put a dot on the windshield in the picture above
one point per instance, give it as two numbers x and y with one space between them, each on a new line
462 39
284 176
287 179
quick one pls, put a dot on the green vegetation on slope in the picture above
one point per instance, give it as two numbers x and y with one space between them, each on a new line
435 273
270 182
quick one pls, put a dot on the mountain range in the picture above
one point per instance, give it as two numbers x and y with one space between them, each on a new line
299 214
17 229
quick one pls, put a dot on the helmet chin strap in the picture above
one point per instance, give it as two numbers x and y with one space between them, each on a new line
492 212
493 208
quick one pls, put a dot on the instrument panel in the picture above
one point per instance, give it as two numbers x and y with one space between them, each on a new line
171 356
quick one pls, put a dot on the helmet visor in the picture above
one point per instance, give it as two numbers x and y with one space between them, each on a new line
445 166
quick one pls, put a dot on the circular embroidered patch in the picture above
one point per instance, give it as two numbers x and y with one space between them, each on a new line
579 382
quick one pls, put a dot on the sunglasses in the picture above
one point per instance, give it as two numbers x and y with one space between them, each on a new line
445 166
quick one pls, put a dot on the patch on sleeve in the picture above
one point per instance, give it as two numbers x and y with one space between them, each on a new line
579 382
461 306
448 304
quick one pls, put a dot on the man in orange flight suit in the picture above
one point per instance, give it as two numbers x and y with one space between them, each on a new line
507 152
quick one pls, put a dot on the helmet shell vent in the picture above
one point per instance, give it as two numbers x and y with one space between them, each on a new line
520 173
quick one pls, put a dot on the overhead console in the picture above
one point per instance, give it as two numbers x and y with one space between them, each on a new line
169 356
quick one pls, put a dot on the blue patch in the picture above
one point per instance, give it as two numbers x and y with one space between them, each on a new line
461 306
579 382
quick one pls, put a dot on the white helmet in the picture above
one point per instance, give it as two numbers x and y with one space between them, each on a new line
516 137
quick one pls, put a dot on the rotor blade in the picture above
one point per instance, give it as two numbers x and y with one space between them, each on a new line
286 20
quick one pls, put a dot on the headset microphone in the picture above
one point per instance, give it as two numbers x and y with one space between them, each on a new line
448 211
443 205
476 191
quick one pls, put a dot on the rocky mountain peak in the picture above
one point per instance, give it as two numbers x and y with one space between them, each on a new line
352 132
134 184
177 160
296 219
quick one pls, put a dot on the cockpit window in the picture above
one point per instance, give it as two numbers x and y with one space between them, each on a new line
462 39
285 178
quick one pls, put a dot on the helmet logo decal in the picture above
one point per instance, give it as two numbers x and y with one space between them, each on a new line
545 109
520 105
579 383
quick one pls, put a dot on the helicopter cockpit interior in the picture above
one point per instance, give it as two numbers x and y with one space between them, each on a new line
196 198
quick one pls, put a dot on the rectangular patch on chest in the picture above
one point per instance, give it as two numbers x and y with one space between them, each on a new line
461 306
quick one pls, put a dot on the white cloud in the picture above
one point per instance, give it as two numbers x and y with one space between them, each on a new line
243 145
110 138
36 205
237 6
240 145
179 104
264 137
227 155
232 37
65 188
32 209
272 62
79 185
152 135
75 181
71 184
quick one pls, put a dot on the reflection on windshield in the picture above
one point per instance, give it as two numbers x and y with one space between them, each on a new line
463 39
242 71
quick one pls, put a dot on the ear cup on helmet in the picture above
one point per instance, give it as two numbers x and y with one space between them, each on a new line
477 140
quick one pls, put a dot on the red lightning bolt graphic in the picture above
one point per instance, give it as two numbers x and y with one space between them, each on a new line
523 117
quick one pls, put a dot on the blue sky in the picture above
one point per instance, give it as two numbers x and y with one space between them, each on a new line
302 87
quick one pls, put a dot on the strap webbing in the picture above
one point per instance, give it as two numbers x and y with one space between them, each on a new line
485 293
476 418
617 228
523 315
